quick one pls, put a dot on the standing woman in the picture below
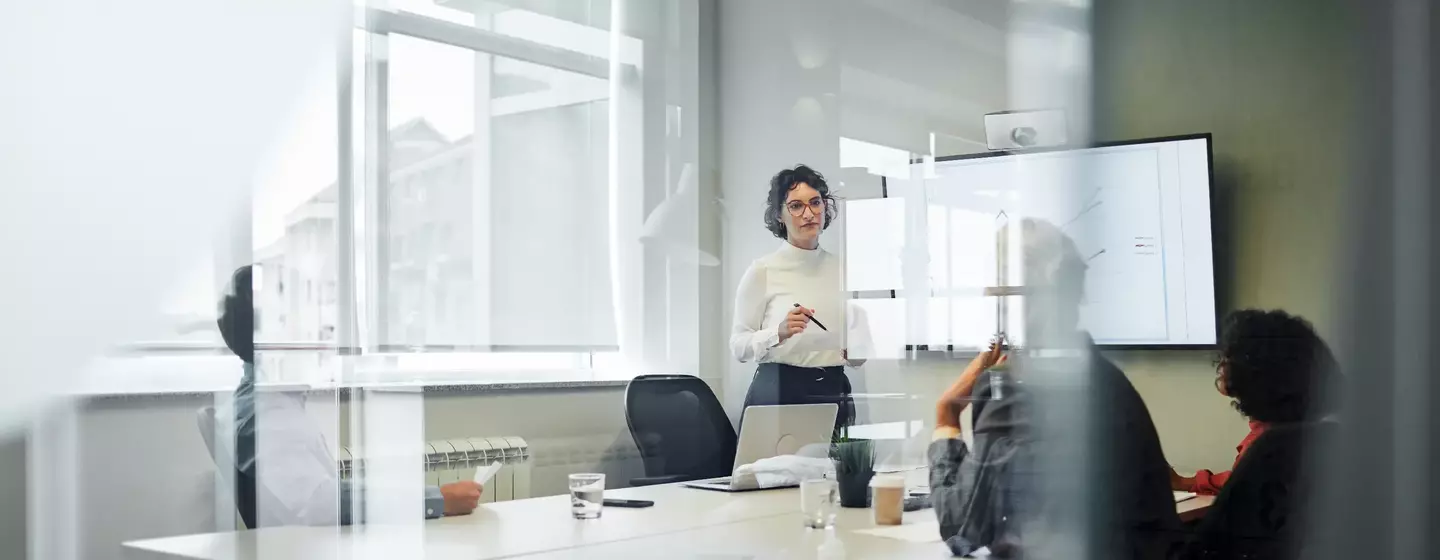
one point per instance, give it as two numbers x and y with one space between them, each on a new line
785 296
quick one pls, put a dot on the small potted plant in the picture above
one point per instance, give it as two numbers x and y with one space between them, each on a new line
854 467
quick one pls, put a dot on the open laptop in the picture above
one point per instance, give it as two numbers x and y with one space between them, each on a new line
772 431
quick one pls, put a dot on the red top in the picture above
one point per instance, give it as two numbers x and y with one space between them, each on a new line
1209 483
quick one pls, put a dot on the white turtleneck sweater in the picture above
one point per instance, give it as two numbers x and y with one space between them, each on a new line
768 291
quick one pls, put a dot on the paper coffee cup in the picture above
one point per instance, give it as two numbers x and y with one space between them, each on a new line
888 498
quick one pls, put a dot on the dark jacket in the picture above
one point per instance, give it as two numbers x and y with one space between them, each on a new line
1038 482
1259 514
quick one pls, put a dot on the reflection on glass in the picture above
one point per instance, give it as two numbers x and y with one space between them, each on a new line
294 240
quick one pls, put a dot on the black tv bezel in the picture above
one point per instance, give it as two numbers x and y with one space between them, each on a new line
1214 247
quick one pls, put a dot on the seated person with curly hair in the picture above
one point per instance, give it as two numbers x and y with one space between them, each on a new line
1272 365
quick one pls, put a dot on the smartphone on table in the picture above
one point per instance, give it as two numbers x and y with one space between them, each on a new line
612 502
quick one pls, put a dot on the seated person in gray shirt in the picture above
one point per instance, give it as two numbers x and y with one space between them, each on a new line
285 473
1065 461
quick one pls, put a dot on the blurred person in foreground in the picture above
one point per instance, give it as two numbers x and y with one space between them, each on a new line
1065 458
1280 375
299 483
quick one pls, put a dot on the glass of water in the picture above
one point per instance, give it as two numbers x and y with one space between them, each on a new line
587 495
818 500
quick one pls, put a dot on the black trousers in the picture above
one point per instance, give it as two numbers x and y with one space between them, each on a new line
775 384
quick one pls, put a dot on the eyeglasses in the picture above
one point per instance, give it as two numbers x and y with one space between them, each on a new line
1219 375
797 208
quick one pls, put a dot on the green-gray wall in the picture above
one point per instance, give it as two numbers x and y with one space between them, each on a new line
1274 81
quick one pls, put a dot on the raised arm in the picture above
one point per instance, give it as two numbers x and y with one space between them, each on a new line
969 486
954 399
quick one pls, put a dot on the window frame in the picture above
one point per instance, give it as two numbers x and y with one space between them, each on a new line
655 291
367 314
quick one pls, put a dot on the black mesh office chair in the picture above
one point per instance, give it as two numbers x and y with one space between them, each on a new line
680 428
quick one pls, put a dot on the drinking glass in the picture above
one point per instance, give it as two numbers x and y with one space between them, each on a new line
587 495
818 500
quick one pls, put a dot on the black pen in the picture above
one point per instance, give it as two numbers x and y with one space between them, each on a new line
817 321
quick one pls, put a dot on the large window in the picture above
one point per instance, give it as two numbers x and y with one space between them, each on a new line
495 228
467 196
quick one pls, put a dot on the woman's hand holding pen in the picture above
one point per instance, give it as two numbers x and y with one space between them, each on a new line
794 322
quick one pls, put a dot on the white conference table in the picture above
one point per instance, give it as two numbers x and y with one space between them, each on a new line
684 523
495 530
778 537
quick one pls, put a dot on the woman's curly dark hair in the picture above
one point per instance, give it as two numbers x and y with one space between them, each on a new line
1278 370
780 186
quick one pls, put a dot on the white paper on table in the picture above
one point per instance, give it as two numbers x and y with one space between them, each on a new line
484 474
1182 496
913 532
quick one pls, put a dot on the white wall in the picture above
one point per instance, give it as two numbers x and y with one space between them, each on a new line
795 76
142 471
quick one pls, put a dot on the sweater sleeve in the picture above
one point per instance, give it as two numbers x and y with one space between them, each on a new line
749 339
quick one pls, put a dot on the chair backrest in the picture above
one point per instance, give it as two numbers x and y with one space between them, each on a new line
679 427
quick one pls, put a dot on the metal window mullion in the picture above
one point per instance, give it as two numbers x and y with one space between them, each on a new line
347 327
647 94
374 323
625 170
481 179
482 40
